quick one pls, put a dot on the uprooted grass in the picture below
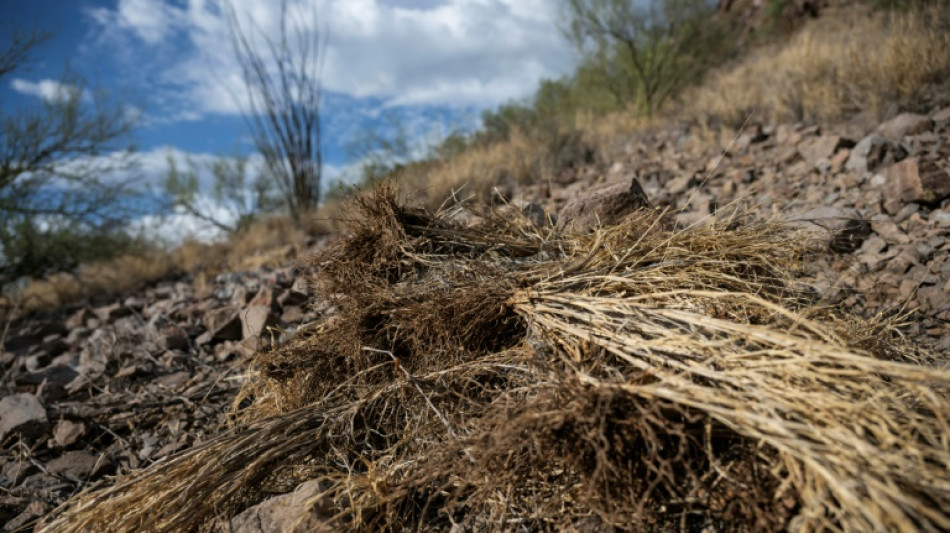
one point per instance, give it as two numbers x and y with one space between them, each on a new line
499 376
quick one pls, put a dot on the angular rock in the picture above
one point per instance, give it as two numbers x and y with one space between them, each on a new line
14 471
297 512
254 319
604 206
80 465
905 124
22 521
915 180
873 152
223 324
67 432
23 414
292 314
822 148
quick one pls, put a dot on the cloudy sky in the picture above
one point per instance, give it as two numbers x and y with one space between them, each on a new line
434 63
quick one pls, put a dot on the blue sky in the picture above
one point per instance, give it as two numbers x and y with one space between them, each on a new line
436 64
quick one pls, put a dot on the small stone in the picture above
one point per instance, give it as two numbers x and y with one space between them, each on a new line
940 218
839 160
174 380
823 147
14 471
67 432
292 315
23 414
79 465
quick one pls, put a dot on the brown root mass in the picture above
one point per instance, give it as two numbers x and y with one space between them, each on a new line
501 377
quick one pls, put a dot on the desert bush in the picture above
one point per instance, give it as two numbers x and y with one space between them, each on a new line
61 202
647 51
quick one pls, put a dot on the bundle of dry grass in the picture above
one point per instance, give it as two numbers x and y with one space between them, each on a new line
498 377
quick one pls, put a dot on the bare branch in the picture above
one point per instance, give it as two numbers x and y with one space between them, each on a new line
285 93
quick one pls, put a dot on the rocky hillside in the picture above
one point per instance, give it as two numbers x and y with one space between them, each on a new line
90 393
95 392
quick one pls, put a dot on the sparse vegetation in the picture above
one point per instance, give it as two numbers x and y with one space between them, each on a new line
832 69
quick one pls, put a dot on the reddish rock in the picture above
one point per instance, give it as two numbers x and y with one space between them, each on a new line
915 180
839 160
905 124
821 148
603 206
871 153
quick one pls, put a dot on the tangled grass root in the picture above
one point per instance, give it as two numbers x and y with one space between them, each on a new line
499 376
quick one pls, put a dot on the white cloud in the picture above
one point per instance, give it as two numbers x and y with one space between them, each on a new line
431 52
47 89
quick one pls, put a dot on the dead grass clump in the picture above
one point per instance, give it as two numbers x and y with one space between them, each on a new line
833 68
508 378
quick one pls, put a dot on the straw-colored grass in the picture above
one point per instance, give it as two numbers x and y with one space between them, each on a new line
270 242
501 376
833 68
